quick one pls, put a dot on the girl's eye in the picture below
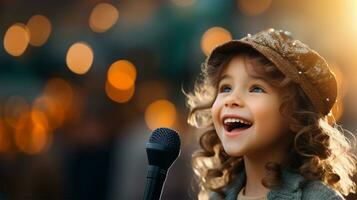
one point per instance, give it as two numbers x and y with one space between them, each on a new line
257 89
225 88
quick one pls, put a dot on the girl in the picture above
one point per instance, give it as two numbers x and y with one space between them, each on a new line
264 102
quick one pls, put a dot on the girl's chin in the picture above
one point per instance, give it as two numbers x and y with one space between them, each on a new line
234 152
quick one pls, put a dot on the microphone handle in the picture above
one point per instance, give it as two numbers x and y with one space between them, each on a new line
154 182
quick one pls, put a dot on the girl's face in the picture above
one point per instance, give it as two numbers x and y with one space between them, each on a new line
255 102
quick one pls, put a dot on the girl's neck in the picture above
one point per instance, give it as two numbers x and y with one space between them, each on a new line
255 169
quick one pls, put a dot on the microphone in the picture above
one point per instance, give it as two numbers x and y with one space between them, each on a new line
162 150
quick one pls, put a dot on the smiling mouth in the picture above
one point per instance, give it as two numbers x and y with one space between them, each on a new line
236 125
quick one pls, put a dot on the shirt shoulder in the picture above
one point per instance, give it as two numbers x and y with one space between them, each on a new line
215 196
319 190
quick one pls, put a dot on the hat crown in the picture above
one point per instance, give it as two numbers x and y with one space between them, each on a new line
280 41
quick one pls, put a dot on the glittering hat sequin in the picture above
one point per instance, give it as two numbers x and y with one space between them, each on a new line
294 59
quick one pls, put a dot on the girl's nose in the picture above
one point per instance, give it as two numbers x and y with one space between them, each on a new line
233 101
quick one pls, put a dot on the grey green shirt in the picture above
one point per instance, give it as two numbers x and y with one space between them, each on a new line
294 187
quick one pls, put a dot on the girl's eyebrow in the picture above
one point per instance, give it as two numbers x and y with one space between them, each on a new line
226 76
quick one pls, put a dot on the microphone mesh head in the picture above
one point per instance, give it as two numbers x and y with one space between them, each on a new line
167 137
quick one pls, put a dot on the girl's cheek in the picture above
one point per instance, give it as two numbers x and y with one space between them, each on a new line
215 110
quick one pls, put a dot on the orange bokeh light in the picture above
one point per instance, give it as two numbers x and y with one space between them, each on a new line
120 96
33 136
16 39
39 118
214 37
122 74
160 113
40 29
39 139
103 17
79 58
32 139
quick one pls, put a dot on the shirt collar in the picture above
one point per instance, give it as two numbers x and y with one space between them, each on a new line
290 188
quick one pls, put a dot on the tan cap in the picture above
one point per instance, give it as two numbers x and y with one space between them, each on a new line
294 59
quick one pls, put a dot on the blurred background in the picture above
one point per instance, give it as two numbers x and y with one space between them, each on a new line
83 84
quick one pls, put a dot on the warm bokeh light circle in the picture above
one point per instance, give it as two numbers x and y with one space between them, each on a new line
160 113
213 37
119 96
16 39
103 17
79 58
32 139
40 28
122 74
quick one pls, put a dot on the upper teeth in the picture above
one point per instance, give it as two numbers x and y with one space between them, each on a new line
230 120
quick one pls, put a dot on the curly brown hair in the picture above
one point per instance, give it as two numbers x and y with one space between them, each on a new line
319 150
